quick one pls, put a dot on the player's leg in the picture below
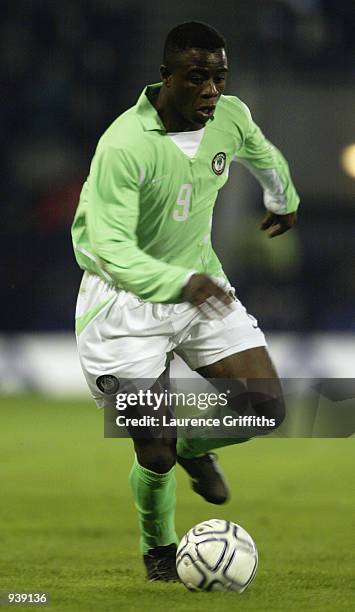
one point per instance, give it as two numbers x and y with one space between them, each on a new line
263 391
232 348
152 478
195 457
153 484
111 353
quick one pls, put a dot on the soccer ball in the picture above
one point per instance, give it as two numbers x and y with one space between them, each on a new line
217 555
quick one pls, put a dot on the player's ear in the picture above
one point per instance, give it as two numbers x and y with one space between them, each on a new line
166 75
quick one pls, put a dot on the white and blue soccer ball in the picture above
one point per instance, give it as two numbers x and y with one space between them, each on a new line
217 555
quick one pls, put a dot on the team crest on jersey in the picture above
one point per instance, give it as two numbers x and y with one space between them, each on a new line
219 163
108 384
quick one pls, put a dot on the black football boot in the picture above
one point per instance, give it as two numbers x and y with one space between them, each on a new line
206 478
160 563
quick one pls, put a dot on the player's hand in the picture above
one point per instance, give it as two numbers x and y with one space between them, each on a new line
275 225
204 293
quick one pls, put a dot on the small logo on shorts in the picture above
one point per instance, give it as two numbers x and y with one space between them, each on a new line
219 163
108 384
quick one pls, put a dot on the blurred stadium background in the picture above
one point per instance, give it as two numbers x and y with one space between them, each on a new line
67 522
68 69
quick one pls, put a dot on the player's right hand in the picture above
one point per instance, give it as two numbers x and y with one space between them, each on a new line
204 293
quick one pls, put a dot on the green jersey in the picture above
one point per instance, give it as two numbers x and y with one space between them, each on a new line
145 212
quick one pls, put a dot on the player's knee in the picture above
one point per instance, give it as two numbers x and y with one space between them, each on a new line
270 407
157 456
273 409
160 461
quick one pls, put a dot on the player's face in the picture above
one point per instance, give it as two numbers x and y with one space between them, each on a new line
196 83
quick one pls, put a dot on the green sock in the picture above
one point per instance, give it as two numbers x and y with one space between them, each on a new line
192 447
155 500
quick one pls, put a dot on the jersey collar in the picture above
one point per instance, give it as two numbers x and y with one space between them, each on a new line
146 112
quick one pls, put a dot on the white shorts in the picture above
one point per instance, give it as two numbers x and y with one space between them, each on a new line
124 337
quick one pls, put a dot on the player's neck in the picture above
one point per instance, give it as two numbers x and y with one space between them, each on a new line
172 120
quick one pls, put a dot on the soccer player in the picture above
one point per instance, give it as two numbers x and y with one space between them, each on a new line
152 282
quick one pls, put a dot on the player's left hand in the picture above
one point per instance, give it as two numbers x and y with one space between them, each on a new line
275 225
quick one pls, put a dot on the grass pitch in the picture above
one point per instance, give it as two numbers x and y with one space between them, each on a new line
68 525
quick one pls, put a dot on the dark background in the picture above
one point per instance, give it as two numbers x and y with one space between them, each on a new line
68 69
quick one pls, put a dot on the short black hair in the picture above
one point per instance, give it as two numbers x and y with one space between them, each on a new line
192 35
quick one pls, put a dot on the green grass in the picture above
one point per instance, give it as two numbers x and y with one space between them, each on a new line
68 525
